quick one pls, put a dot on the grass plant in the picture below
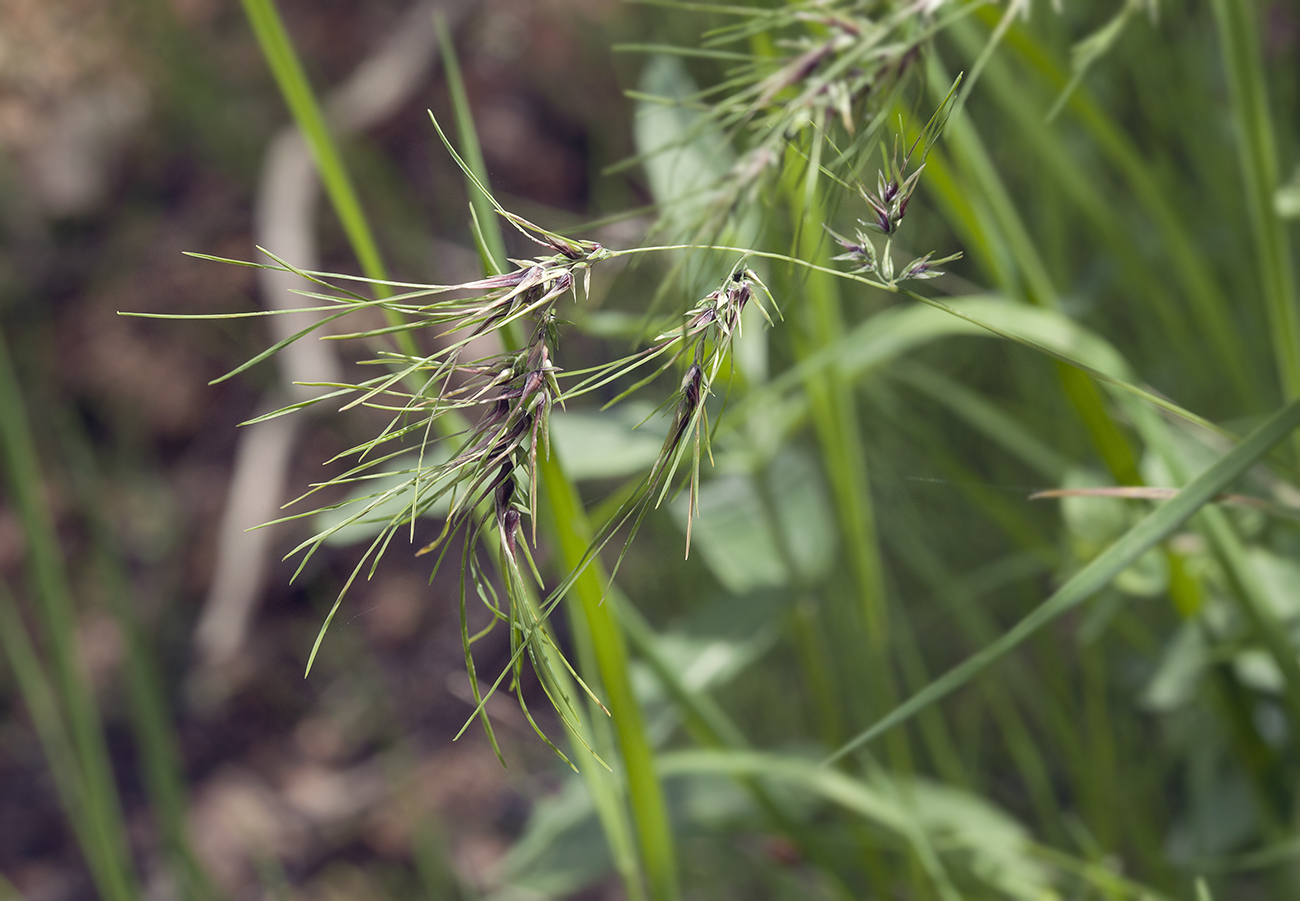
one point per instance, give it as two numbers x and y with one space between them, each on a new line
1094 693
61 704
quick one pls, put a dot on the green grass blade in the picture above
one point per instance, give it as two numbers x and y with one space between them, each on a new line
1148 533
103 830
572 532
43 706
296 90
985 416
279 53
596 631
863 618
492 248
1239 37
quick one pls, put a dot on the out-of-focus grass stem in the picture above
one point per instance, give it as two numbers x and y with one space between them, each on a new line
74 739
1257 152
1188 266
278 51
160 756
835 420
572 532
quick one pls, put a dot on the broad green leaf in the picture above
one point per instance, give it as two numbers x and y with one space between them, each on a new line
804 514
1222 818
686 155
969 833
562 850
1279 577
1178 676
715 643
735 535
761 534
606 444
1258 670
987 841
707 649
684 152
1286 199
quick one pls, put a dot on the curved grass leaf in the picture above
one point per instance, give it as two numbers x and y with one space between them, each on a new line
945 827
1153 529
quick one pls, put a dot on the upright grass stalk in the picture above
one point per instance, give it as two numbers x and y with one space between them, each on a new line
645 796
1188 265
277 50
834 414
572 532
160 755
62 700
608 789
1257 153
597 632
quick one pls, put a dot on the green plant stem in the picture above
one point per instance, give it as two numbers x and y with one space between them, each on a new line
491 246
605 787
835 419
278 51
572 532
711 726
814 656
160 755
93 804
1239 39
596 633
